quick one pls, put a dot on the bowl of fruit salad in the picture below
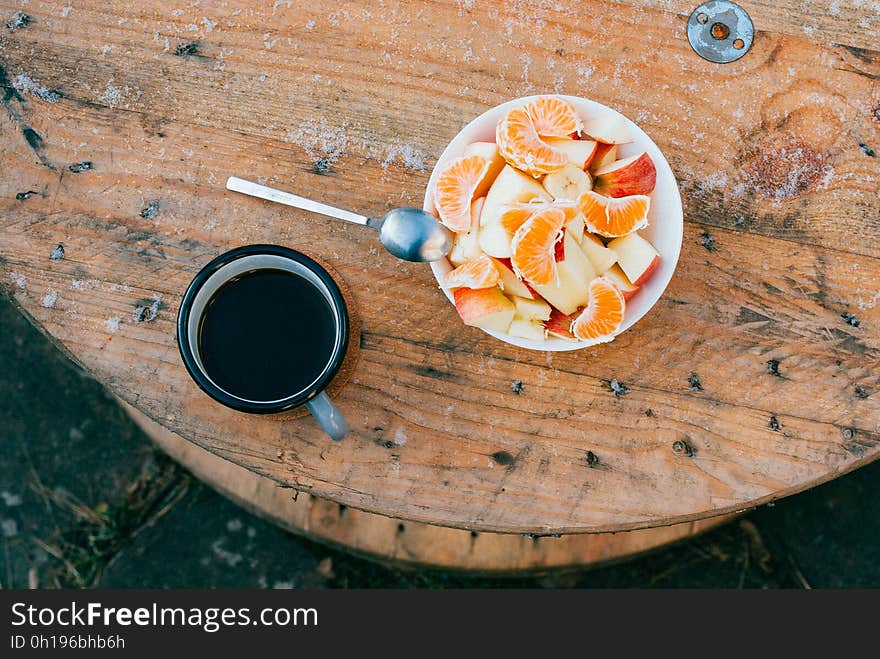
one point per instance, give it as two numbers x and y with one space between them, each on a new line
567 220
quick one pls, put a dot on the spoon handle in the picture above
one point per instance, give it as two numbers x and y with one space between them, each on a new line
269 194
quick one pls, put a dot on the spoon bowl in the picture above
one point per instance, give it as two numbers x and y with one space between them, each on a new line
412 234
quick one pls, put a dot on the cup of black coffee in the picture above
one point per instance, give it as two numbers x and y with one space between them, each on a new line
264 329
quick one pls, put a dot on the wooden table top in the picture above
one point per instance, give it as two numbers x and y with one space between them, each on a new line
121 122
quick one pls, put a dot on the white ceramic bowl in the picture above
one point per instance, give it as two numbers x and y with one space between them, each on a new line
665 217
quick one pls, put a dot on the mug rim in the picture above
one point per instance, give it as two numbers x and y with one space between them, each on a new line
187 351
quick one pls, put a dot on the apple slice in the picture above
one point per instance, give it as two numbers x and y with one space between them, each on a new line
489 151
609 129
510 283
571 290
575 226
636 256
568 183
579 152
600 256
527 329
629 176
467 245
510 187
487 308
605 155
616 276
559 324
528 309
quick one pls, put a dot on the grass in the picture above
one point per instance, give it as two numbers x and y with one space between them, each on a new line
83 551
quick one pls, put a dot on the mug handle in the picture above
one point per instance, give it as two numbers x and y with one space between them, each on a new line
328 416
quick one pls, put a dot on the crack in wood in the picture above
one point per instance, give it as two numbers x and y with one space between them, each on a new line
33 139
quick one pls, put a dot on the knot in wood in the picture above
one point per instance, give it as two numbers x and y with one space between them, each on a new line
682 447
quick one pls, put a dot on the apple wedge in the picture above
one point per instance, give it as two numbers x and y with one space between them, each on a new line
609 129
527 329
467 246
568 183
575 226
489 151
510 187
616 276
559 324
636 256
571 289
510 283
601 258
629 176
605 155
487 308
528 309
579 152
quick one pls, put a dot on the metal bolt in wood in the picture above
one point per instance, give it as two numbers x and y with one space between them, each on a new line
720 31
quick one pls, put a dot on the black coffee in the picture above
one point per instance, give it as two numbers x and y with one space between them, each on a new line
266 335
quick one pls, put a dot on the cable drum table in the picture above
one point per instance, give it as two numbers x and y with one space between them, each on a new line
754 377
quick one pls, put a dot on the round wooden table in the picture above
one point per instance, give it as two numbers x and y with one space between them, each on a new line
754 377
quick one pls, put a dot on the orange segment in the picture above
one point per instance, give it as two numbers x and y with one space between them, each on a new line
603 315
533 246
520 145
479 273
614 217
454 191
570 208
513 217
553 117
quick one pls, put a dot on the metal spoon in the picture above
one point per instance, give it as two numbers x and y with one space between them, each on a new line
410 234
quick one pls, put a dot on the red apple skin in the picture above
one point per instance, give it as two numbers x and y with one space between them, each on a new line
473 304
598 160
639 177
560 324
592 158
647 273
559 248
619 279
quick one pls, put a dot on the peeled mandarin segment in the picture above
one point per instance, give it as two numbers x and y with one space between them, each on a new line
553 117
593 209
513 217
570 208
614 217
455 189
627 214
521 146
534 245
479 273
603 315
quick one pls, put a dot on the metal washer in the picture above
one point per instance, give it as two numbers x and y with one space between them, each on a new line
715 26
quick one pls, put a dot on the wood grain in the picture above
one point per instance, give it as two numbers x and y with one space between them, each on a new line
388 540
767 152
831 23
